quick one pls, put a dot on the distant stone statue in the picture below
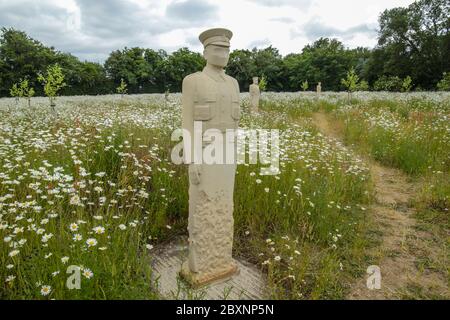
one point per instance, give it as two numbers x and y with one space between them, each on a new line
255 94
210 98
166 95
319 87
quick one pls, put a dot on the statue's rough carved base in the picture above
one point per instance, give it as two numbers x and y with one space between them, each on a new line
198 280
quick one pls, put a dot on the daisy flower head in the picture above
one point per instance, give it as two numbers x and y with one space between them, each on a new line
87 273
91 242
46 290
14 253
99 230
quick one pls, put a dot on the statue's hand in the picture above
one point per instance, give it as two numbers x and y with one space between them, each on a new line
194 173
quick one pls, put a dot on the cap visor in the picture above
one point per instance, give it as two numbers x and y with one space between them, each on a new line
220 44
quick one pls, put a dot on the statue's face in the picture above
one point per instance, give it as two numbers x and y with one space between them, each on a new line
217 55
255 80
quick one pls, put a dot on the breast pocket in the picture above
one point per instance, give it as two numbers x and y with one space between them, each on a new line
235 110
204 110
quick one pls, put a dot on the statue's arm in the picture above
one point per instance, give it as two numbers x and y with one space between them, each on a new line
238 91
188 94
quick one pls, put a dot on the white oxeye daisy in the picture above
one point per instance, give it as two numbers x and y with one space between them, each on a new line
87 273
73 227
46 237
277 258
91 242
14 253
149 246
64 260
77 237
99 230
122 227
45 290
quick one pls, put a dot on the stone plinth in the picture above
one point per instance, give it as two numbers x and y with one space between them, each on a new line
247 284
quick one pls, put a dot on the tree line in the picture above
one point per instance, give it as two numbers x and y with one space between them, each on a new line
413 52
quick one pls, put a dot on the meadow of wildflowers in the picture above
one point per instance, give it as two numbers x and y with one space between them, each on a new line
91 185
412 135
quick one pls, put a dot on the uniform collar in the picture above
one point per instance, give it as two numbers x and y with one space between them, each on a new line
217 76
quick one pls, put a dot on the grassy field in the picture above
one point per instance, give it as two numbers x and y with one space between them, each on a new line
92 185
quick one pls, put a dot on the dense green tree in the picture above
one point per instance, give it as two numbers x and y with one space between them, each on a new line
269 63
444 83
129 64
241 66
414 41
180 64
21 57
326 61
157 81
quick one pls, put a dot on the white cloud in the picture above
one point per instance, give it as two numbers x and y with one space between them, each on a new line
92 29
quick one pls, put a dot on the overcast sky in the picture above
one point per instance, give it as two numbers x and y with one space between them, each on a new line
91 29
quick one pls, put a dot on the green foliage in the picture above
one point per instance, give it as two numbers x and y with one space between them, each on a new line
122 88
407 84
305 85
16 91
351 81
388 83
326 61
27 91
180 64
444 84
242 67
268 62
263 83
413 41
363 86
53 81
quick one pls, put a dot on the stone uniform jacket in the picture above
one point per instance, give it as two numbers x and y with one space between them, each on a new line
211 98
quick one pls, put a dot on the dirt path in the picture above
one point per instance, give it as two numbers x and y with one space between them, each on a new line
393 219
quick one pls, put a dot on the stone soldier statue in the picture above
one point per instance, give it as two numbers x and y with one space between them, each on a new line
319 87
255 94
210 97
